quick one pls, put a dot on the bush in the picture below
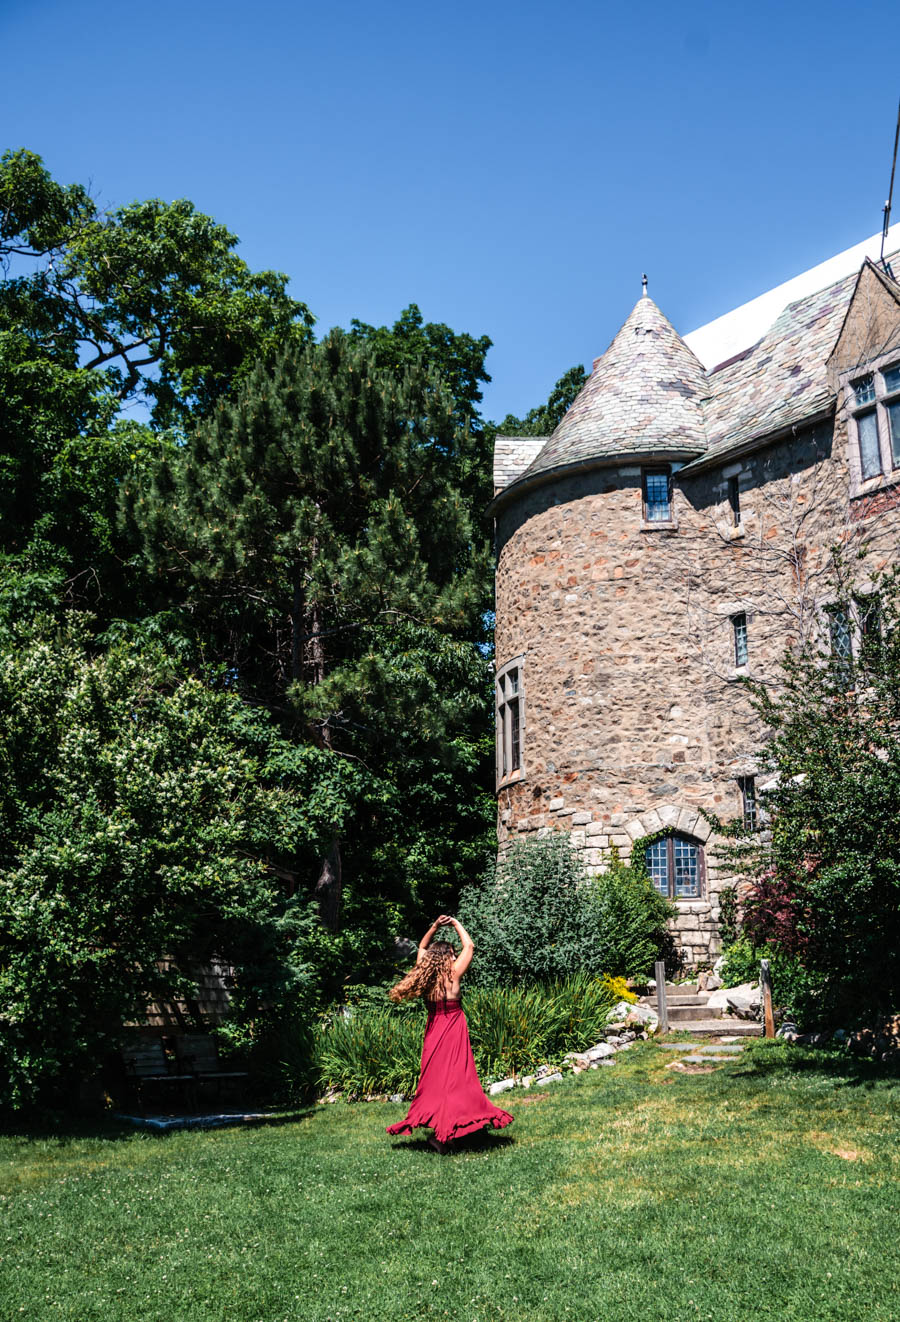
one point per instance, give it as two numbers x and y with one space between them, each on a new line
513 1029
797 993
143 817
535 916
371 1050
825 882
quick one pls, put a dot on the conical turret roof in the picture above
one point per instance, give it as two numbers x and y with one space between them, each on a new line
643 397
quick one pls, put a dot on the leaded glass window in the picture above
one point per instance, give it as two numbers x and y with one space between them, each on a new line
741 650
510 722
675 864
840 634
893 413
875 408
864 389
657 496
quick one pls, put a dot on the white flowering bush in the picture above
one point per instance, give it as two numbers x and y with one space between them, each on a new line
144 817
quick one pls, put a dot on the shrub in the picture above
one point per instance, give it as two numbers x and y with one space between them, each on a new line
825 882
143 818
535 916
371 1050
513 1029
797 993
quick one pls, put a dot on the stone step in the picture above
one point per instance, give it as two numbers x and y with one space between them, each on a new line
684 1014
723 1027
699 999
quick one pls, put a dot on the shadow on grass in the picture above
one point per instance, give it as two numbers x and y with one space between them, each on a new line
64 1129
847 1071
483 1141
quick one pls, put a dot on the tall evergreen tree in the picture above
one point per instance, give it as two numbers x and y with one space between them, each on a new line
312 532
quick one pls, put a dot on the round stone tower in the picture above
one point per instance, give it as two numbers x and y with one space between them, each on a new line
609 725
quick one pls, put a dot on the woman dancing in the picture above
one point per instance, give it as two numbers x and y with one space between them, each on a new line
449 1098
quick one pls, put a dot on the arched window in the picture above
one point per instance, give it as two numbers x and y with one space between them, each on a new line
675 864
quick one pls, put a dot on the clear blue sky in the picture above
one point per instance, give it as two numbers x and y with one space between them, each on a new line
512 168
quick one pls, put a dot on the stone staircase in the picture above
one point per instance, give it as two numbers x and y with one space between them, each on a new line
689 1012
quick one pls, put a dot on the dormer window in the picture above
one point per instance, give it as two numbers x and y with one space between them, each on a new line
875 412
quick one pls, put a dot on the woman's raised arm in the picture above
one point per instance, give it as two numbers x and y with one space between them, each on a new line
464 958
426 939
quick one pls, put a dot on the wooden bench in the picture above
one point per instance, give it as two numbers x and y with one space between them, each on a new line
147 1067
198 1057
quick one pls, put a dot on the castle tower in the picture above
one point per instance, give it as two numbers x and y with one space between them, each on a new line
673 536
603 727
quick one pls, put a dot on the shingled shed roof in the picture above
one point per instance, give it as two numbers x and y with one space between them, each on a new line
643 396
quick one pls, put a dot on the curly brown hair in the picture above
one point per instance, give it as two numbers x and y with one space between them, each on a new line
426 977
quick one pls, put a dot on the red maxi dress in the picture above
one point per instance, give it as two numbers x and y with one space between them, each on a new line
449 1099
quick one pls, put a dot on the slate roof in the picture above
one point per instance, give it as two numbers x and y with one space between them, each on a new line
783 378
643 395
648 394
512 455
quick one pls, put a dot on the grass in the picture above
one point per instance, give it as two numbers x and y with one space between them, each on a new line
768 1189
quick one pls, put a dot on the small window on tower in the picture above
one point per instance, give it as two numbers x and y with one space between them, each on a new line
510 718
657 495
739 626
734 500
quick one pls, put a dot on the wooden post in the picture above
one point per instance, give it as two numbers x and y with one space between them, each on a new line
661 1008
765 984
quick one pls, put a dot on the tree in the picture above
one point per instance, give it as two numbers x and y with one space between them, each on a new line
312 533
151 294
825 889
144 822
148 302
458 360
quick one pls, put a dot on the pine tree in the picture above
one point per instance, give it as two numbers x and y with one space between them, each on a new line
308 528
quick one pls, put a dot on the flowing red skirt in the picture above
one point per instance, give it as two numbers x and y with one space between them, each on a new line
449 1099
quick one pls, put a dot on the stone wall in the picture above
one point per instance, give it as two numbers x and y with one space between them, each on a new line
634 716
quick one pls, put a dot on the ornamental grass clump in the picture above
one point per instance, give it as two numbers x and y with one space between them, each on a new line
373 1049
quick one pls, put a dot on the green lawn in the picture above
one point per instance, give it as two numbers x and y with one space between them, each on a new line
768 1189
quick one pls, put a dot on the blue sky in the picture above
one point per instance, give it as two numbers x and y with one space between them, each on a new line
512 168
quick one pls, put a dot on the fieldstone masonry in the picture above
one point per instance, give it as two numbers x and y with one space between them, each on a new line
633 716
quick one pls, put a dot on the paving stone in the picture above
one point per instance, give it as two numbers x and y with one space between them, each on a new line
702 1057
678 1046
722 1047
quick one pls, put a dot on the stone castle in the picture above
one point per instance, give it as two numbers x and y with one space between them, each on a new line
675 533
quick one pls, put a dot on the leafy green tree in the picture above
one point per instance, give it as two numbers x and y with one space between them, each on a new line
458 360
151 294
825 887
148 302
146 826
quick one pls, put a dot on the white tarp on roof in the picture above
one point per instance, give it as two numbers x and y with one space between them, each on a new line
737 330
